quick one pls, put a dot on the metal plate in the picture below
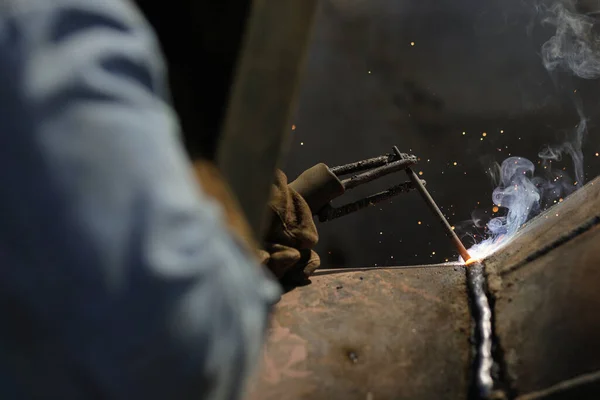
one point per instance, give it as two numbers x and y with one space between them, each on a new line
394 333
547 319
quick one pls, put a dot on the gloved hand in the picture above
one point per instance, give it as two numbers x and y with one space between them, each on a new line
287 249
291 236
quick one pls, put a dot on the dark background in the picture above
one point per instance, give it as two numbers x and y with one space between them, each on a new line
475 67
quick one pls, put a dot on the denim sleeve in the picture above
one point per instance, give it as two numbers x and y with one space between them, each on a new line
118 279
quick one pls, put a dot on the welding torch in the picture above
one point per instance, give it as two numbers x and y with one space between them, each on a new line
321 184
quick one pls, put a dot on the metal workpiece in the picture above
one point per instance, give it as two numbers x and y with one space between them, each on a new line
482 379
329 213
546 303
547 322
542 288
521 324
374 333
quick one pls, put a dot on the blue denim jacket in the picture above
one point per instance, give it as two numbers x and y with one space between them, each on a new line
117 277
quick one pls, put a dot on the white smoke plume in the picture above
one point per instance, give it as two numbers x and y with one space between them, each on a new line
575 45
575 49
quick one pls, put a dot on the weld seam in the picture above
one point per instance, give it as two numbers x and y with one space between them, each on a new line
483 361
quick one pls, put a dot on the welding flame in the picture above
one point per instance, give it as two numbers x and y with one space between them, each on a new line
575 49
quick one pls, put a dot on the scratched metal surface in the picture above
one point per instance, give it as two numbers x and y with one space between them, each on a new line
377 334
548 320
546 301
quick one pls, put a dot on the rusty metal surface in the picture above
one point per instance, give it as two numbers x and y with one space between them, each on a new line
397 333
542 231
548 320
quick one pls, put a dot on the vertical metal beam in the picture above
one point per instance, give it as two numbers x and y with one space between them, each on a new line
263 98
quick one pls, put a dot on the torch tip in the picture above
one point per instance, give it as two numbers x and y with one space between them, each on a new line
470 261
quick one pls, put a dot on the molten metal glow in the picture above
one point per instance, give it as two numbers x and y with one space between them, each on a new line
472 260
484 249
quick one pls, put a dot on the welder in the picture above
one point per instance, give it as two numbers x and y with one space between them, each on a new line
122 278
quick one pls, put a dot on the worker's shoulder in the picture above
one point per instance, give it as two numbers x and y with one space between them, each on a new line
123 11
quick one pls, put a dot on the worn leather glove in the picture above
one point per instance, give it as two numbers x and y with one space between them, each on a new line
292 233
291 236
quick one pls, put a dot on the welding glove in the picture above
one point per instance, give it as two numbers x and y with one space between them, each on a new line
292 233
291 236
